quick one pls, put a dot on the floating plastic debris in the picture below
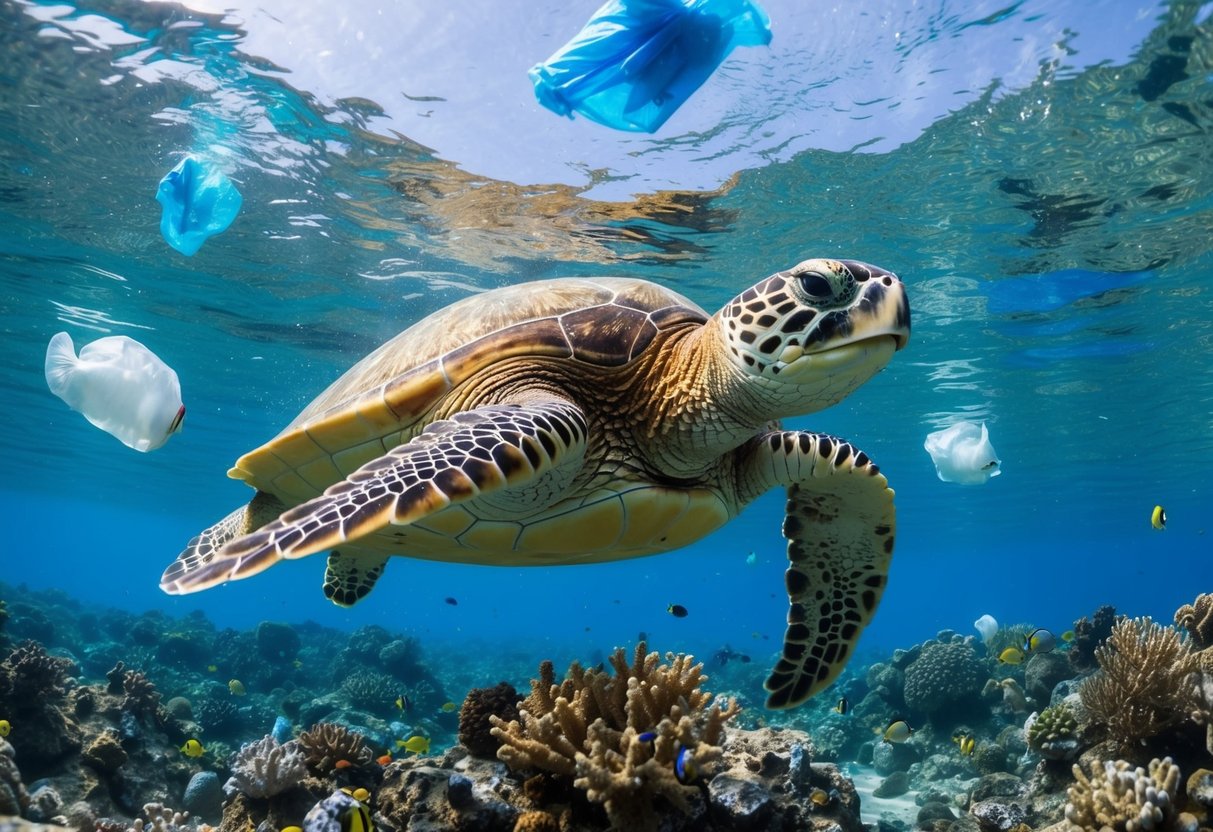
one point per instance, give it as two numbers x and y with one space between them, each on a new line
120 386
636 61
963 454
199 202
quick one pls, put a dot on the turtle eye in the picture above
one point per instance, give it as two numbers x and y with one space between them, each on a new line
816 285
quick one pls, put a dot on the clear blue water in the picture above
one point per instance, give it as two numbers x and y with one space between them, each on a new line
1040 174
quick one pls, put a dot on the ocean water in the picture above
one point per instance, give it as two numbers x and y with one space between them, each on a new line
1039 174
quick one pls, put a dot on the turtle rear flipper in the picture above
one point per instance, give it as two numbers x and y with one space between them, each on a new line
497 448
839 525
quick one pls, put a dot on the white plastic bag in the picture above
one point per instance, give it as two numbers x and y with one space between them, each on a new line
963 454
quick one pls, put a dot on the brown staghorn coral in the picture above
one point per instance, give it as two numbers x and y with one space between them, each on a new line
589 727
326 743
1139 689
1197 619
1119 797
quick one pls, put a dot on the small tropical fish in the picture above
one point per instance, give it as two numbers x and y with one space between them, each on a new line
751 559
1012 655
677 610
212 668
1158 518
403 703
416 743
236 687
1067 636
684 766
967 743
292 829
1039 640
843 706
819 797
192 748
897 731
297 663
448 599
6 727
448 707
340 764
357 818
647 736
384 759
360 794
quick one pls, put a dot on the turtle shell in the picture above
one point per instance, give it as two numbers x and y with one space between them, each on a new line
390 394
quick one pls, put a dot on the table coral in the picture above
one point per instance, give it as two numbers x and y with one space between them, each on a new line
619 735
1119 797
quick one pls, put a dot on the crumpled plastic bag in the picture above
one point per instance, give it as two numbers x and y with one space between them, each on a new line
963 454
199 202
120 386
636 61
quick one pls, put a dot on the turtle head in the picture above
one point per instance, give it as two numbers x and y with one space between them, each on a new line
809 336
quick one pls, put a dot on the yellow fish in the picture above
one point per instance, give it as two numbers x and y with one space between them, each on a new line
212 668
357 818
416 743
1067 636
291 829
236 687
192 748
966 743
298 663
6 727
447 707
898 731
1012 655
1158 518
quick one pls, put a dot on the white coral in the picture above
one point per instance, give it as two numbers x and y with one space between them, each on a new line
1120 797
265 768
159 818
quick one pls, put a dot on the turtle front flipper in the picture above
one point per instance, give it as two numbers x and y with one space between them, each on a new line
839 525
205 545
489 450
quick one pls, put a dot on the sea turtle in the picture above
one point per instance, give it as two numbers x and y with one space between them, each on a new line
581 420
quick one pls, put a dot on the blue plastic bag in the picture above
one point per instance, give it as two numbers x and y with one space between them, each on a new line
636 61
199 201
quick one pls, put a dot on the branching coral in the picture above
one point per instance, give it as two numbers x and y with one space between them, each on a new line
323 745
265 768
141 697
31 672
157 817
371 691
1197 619
590 726
1139 689
1119 797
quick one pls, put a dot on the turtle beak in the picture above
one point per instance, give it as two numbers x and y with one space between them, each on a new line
885 301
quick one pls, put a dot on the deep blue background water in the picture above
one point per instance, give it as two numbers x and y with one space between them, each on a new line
1039 174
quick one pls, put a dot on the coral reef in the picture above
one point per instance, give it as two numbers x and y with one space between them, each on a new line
14 799
944 674
265 768
1139 689
1197 619
1054 733
475 727
1119 797
371 691
1089 633
620 735
326 744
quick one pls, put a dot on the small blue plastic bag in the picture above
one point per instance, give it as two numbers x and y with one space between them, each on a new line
636 61
199 201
